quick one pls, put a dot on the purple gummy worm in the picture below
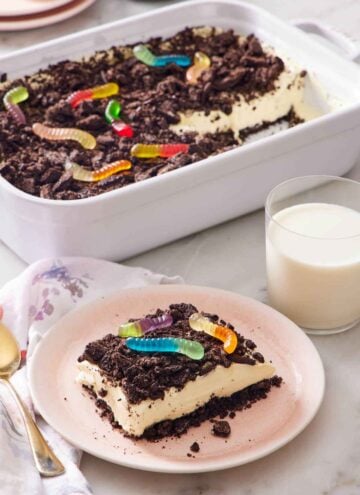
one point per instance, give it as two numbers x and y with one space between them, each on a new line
149 324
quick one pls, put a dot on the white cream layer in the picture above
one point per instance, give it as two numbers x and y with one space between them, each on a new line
289 93
135 418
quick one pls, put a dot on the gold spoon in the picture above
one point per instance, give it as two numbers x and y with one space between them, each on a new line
46 461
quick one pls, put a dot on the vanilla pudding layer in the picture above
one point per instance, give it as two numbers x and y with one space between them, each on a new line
136 418
288 95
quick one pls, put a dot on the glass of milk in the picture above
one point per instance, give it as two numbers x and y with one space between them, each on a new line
313 252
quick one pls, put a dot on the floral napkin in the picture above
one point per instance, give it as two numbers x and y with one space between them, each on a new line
31 304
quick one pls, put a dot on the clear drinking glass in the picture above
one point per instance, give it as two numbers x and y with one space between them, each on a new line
313 252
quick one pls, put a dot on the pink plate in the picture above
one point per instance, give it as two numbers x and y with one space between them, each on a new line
29 7
61 11
256 432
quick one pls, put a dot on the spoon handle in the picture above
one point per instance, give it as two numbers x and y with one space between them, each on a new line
46 461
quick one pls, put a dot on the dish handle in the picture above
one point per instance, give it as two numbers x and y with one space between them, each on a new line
348 47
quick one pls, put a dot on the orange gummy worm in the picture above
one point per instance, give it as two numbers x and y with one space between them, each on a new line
200 323
82 174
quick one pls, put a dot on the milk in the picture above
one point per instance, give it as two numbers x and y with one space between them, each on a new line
313 265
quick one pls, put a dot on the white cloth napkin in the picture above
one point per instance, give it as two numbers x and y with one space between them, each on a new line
32 303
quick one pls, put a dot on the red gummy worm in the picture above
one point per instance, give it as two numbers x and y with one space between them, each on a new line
122 129
169 150
76 98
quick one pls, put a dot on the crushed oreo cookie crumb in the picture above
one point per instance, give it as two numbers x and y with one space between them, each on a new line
102 392
195 447
221 429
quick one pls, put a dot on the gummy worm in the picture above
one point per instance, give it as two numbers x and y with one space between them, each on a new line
145 55
181 60
201 63
62 133
84 175
140 327
95 93
112 113
190 348
122 129
158 150
11 100
201 324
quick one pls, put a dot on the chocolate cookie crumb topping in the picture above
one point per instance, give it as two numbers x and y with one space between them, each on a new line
147 376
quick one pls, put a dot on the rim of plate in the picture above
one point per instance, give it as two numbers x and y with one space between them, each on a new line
43 19
26 7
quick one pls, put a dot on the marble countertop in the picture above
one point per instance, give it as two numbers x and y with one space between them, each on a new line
325 458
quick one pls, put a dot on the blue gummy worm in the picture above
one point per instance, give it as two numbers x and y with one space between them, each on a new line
181 60
161 344
192 349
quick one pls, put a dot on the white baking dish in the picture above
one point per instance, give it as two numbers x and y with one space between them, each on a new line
122 223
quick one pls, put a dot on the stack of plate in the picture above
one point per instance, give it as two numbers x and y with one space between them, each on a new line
16 15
